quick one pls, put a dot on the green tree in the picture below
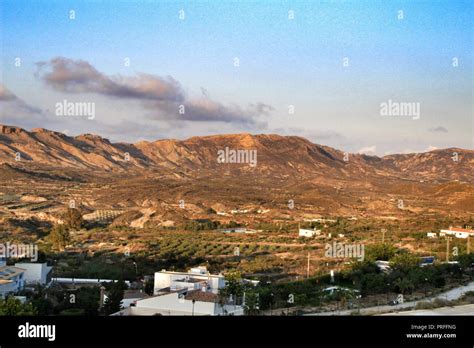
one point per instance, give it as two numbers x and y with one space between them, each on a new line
40 301
149 286
404 285
59 237
73 218
43 306
113 303
251 306
88 300
404 262
11 306
382 251
234 286
232 224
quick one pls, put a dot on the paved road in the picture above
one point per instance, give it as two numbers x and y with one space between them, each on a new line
457 310
452 294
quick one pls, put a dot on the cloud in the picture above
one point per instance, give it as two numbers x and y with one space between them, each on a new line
13 108
438 129
368 150
205 110
6 95
162 96
430 148
79 76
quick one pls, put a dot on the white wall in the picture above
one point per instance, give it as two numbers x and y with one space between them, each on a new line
35 272
170 303
8 288
166 279
17 284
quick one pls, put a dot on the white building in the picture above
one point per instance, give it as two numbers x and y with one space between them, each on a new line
195 278
457 232
183 302
36 273
195 292
130 297
11 280
239 211
237 230
320 220
431 235
308 233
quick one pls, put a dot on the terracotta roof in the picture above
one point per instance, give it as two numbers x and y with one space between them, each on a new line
461 230
127 294
457 229
201 296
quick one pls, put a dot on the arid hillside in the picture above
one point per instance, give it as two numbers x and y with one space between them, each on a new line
272 172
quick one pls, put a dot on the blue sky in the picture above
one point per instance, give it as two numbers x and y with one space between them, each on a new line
283 62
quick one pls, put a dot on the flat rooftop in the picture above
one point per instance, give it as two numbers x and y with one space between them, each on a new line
8 272
190 280
192 274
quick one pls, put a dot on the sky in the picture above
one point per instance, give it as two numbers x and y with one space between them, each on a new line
175 69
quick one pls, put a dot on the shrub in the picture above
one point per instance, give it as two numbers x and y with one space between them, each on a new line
73 218
59 237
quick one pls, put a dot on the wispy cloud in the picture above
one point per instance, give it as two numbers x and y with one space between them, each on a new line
79 76
163 97
14 109
439 129
6 95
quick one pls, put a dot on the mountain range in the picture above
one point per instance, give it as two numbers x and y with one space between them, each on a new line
277 155
318 177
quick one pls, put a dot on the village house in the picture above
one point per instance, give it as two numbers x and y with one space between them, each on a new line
36 273
195 278
308 233
457 232
195 292
11 280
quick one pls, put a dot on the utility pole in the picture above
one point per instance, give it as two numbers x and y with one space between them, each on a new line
447 248
383 235
468 241
307 268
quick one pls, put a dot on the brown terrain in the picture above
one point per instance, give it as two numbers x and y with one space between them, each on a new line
149 179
